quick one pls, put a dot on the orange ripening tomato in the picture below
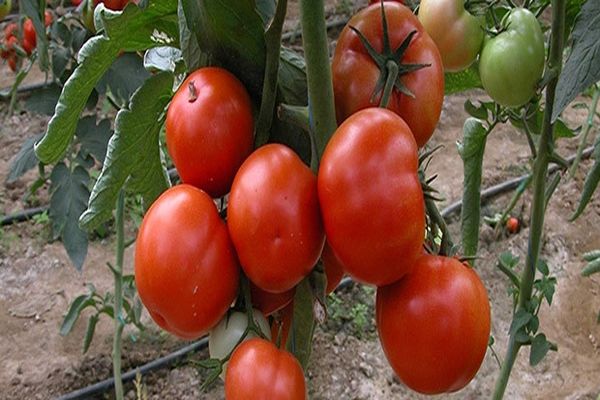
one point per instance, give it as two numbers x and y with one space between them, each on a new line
434 325
210 129
186 270
371 198
259 370
274 218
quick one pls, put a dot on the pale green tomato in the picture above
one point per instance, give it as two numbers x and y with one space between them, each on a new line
5 6
223 337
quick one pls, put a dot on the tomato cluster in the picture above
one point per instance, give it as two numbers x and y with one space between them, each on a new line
25 39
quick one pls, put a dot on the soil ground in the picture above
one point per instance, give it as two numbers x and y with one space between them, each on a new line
37 283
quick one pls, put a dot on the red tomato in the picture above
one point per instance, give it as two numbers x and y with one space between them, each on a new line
76 2
512 225
280 329
210 129
12 62
268 303
29 35
186 270
371 197
28 46
334 269
10 30
355 73
115 5
259 370
48 18
274 220
434 325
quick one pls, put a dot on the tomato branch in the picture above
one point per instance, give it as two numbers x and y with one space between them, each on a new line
118 275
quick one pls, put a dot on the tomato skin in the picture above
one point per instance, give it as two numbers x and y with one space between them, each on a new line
209 138
259 370
434 325
334 269
115 5
269 303
12 62
186 271
355 74
48 18
371 197
457 33
274 219
512 63
512 225
29 32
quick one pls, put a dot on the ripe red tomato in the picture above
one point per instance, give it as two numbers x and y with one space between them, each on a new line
29 35
76 2
282 323
371 197
274 219
434 325
259 370
48 18
186 270
115 5
512 225
355 73
12 62
10 30
269 303
210 129
334 269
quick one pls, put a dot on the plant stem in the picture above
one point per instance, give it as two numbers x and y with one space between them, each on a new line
586 130
540 169
392 70
118 274
318 71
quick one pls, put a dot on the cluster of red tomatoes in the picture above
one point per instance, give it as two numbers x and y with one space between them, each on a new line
363 214
26 40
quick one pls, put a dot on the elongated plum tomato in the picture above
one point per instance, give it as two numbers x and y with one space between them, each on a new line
186 271
209 129
371 197
356 74
434 325
457 33
273 218
258 370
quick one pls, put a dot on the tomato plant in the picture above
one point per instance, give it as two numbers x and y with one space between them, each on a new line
434 325
209 129
370 164
360 72
186 270
511 63
456 32
259 370
274 203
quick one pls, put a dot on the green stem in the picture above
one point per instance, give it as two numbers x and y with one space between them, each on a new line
436 217
392 71
318 71
540 169
586 130
118 274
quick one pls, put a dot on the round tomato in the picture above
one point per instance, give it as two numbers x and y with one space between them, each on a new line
115 5
457 33
210 129
274 218
356 74
512 225
5 8
186 271
434 325
224 337
512 63
334 269
371 197
270 303
259 370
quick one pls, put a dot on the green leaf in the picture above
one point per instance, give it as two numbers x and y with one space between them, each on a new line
34 9
163 58
94 138
24 160
43 101
89 332
80 303
539 349
479 112
542 266
591 182
508 259
60 60
456 82
68 201
582 68
266 10
123 77
471 152
189 18
533 324
303 323
591 268
133 152
591 255
520 319
561 130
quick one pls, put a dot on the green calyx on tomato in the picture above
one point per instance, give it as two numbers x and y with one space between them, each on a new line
512 62
456 32
385 58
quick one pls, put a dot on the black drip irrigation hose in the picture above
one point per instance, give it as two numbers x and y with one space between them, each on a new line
23 215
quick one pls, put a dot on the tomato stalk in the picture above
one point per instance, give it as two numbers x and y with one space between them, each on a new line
540 170
318 71
118 307
586 130
392 75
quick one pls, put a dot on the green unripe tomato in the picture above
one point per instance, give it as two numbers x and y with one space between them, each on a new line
512 63
5 7
223 337
457 33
